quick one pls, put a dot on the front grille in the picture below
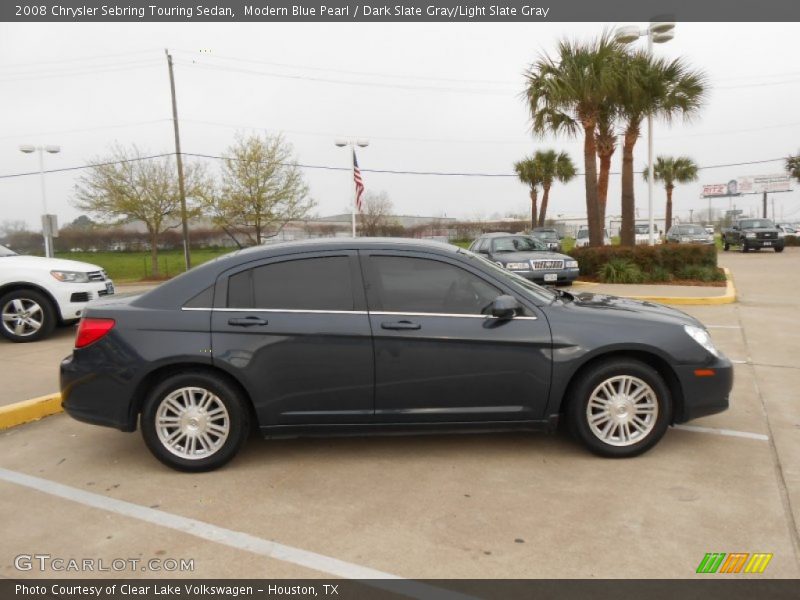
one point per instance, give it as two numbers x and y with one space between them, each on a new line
80 297
767 236
547 264
97 275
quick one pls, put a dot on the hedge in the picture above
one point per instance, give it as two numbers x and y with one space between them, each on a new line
664 258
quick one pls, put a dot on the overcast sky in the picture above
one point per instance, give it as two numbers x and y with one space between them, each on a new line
430 97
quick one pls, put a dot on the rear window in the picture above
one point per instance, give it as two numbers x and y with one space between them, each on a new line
323 283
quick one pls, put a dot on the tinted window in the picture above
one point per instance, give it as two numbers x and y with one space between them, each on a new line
422 285
203 299
307 284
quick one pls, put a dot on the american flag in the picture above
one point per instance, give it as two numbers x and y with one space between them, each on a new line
358 180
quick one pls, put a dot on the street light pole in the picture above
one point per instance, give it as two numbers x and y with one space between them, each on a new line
658 33
47 234
349 143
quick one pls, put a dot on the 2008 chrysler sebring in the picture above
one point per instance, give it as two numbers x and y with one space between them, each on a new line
381 336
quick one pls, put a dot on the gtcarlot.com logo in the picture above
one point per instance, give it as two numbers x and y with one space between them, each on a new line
735 562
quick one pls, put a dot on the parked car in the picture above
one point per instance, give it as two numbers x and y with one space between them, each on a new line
753 234
709 229
527 256
38 293
784 230
369 336
549 236
688 233
642 234
582 239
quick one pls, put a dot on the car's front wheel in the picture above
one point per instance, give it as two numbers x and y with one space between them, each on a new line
778 248
619 408
194 421
27 316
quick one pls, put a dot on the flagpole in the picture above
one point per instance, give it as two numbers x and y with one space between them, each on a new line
355 196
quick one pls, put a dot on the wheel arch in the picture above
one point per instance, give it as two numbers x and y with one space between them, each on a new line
26 285
162 372
661 366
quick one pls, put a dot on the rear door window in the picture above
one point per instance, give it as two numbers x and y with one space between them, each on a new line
322 283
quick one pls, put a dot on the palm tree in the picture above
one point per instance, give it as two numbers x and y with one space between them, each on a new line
670 171
529 171
793 166
606 141
658 88
553 166
567 94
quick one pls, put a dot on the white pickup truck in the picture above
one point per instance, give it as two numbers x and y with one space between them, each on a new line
38 293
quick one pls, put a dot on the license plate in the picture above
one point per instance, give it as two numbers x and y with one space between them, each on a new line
109 287
768 243
551 276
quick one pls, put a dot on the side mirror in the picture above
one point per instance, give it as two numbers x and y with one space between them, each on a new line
483 251
505 307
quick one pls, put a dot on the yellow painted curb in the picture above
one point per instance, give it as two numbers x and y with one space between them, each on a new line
584 283
729 297
29 410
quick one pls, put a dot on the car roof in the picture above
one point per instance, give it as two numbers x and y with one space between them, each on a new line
494 234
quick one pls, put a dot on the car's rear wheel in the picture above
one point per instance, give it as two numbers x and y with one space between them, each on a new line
27 316
726 246
194 421
744 248
778 248
619 408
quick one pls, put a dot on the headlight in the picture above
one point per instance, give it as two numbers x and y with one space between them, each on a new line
71 276
571 264
686 239
750 235
518 266
701 336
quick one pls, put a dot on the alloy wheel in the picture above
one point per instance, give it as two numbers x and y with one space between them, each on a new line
22 317
622 410
192 423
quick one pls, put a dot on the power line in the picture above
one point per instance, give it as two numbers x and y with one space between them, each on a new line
333 168
75 59
84 129
79 71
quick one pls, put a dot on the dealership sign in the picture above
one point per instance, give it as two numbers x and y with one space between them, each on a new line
757 184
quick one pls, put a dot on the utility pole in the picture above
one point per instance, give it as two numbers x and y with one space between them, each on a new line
764 208
691 214
179 157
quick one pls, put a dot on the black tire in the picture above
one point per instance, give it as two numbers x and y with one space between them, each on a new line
778 248
36 306
745 249
725 245
589 382
235 415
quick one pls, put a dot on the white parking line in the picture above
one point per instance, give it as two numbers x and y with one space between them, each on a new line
739 362
723 326
728 432
229 537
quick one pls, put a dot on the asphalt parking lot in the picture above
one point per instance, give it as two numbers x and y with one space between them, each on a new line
479 506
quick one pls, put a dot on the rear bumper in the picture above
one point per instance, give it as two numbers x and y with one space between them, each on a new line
704 394
93 395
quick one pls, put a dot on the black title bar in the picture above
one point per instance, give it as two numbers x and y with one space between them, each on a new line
406 11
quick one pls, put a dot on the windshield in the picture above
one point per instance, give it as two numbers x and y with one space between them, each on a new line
754 223
540 293
692 230
6 252
642 228
516 243
546 234
583 233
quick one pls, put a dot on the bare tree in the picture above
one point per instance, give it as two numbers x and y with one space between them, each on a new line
262 189
126 186
375 216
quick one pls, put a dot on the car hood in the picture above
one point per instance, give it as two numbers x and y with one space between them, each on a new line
49 264
632 308
526 256
759 230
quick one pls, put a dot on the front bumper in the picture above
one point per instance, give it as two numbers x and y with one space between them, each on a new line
704 394
72 298
771 243
538 276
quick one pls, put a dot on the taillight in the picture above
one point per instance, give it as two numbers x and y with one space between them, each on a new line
90 330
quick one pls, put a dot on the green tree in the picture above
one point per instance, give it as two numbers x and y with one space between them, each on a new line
552 166
262 189
530 172
571 93
793 166
654 87
126 186
669 171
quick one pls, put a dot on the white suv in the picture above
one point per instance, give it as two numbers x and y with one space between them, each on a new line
36 293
